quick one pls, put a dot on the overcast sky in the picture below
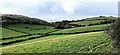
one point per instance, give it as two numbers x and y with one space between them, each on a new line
57 10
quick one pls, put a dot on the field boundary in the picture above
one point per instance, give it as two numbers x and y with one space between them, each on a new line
11 42
47 40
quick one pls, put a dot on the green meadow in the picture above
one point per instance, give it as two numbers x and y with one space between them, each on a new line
32 38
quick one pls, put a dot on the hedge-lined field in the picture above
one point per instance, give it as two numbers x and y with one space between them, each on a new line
31 28
14 40
36 39
6 33
83 29
7 41
81 43
87 22
66 31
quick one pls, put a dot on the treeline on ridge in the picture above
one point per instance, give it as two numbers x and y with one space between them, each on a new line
65 24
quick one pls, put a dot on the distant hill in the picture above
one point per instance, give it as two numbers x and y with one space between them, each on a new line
95 20
13 19
84 22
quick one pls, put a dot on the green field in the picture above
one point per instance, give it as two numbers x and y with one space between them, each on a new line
87 22
83 29
91 42
31 28
95 42
85 42
93 20
17 39
9 33
72 30
21 34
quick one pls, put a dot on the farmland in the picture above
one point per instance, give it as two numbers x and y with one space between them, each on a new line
9 33
80 43
83 29
94 20
18 39
36 38
31 28
87 22
72 30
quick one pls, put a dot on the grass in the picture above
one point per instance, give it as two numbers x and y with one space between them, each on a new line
20 38
83 29
87 22
9 33
31 28
81 43
37 39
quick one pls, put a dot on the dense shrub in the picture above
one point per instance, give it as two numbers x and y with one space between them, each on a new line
64 25
114 32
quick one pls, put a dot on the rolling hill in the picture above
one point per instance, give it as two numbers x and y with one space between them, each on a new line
96 42
21 34
13 19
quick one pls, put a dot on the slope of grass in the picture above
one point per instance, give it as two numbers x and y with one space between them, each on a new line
18 39
72 30
9 33
87 22
93 20
100 18
83 29
81 43
33 40
31 28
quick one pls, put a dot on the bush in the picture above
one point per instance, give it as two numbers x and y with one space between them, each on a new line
114 32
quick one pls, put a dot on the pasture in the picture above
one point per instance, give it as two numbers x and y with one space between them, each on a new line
87 22
83 29
94 42
30 28
6 33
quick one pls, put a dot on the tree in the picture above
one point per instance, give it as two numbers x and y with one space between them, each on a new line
102 16
114 32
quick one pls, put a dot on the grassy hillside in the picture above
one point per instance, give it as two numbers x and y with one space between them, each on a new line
100 18
72 30
9 33
17 32
87 22
18 39
83 29
94 20
81 43
23 34
30 28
